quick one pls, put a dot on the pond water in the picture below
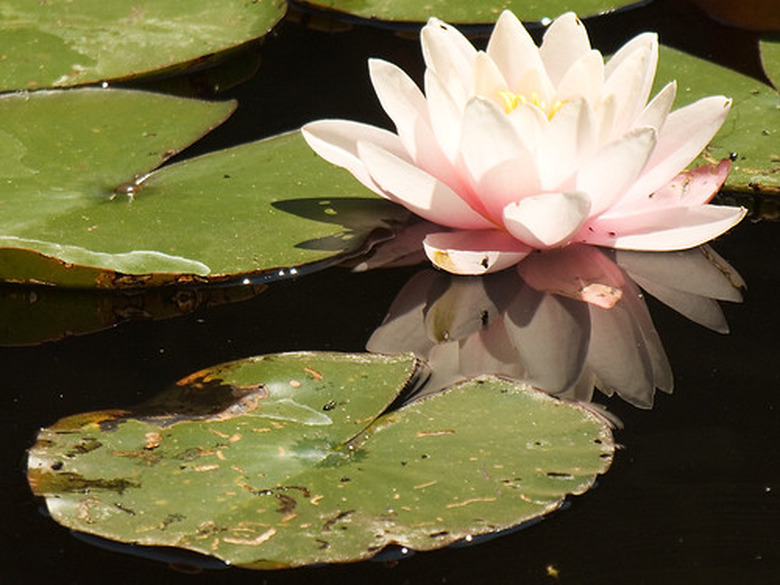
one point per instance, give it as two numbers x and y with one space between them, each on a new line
692 496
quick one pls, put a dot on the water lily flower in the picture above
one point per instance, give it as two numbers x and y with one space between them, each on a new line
520 147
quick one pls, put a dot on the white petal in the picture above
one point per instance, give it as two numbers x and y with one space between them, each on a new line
569 137
418 191
405 104
336 142
547 220
658 109
663 230
565 41
584 79
608 175
488 80
475 251
445 115
683 136
647 43
451 56
507 182
488 139
515 53
628 83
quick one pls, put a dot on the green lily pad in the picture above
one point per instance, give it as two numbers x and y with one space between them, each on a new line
464 11
33 315
63 43
80 209
752 128
770 58
286 460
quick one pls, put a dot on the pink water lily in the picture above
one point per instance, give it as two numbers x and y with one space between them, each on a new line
522 147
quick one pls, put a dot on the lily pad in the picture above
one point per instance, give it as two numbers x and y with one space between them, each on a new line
770 58
33 315
286 460
464 11
71 42
752 128
79 209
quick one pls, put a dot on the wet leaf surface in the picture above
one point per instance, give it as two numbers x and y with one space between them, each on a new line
63 43
286 460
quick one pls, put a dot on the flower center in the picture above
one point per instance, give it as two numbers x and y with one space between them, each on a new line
512 100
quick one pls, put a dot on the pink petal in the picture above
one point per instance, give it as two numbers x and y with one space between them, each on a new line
675 228
418 191
565 41
695 187
683 136
495 157
475 251
608 175
547 220
336 142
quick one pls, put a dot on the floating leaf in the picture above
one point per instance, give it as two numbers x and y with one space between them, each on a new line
255 208
770 58
285 460
751 130
464 11
71 42
32 315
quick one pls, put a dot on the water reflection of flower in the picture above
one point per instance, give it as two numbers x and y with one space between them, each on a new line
522 147
567 320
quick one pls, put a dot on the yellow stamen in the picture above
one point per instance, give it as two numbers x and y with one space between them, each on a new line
512 100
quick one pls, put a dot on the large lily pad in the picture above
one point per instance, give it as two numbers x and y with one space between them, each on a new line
286 460
62 43
770 58
752 129
464 11
73 212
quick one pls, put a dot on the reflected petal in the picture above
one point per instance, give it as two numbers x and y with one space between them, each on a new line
550 335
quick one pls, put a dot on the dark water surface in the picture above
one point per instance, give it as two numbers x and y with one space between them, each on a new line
692 496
